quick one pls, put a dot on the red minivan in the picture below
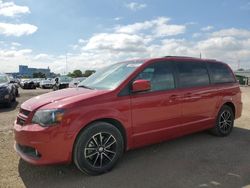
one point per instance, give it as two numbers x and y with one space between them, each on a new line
125 106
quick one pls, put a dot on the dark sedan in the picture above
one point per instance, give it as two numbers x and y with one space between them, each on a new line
7 91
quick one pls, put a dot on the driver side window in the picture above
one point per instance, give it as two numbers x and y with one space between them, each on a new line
160 75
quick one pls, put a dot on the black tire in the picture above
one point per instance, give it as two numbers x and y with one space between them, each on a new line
224 122
14 97
8 104
98 158
17 93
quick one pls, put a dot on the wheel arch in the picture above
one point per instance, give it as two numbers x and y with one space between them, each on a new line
231 105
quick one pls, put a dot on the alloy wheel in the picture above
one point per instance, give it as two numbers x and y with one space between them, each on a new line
225 121
100 150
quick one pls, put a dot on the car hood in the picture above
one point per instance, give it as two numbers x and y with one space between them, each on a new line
3 85
55 96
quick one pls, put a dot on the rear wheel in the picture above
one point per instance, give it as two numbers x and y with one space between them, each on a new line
17 92
14 97
98 148
8 104
225 122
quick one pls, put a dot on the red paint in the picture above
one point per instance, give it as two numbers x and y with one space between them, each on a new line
147 118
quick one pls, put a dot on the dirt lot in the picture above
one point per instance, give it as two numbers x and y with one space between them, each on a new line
198 160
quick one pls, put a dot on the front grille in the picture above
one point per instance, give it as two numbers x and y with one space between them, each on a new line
20 121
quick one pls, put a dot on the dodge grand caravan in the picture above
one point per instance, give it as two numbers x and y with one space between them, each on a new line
124 106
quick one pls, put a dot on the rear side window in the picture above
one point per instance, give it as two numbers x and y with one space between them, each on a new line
160 75
192 74
220 73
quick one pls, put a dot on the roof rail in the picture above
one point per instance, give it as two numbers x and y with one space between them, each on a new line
189 57
178 56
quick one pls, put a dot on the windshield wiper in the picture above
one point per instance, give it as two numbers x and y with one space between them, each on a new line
83 86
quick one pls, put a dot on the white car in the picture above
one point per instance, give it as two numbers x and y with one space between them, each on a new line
46 84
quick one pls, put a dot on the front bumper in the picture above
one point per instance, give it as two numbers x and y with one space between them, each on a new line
41 146
63 86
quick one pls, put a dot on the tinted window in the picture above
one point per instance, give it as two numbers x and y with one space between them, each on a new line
220 73
192 74
160 75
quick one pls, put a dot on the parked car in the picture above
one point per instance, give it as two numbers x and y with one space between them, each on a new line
37 81
7 91
27 84
124 106
76 81
46 84
61 82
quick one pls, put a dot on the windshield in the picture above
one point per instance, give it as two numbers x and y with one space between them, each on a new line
110 77
3 79
65 79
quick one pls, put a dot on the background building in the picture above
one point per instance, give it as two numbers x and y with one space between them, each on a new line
24 70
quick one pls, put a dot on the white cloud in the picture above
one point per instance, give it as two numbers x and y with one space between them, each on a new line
216 43
115 42
151 38
14 53
239 33
207 28
135 6
42 56
169 30
10 9
17 30
158 27
82 41
118 18
196 35
15 44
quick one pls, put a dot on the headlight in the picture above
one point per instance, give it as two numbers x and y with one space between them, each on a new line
47 118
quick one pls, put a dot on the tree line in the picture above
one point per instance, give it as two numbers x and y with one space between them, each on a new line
74 74
78 73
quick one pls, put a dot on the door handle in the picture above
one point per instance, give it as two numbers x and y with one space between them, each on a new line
173 97
187 94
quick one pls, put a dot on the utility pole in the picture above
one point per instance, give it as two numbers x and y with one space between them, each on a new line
200 55
66 59
238 64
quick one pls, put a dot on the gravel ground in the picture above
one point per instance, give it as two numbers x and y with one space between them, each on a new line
197 160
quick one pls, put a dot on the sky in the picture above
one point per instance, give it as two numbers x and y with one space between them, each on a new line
88 34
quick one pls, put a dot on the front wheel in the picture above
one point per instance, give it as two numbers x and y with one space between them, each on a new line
98 148
225 122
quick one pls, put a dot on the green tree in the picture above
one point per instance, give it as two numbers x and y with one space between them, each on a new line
241 69
70 74
77 73
87 73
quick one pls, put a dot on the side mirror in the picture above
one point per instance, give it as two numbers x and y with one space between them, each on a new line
141 85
